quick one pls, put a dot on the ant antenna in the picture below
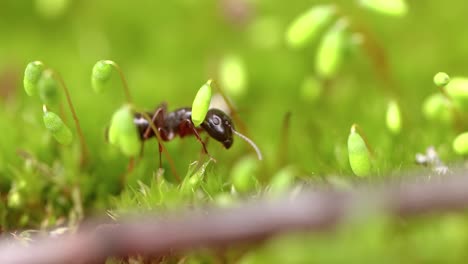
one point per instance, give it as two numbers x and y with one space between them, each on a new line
248 140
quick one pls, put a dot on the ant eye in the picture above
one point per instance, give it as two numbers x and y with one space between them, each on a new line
216 121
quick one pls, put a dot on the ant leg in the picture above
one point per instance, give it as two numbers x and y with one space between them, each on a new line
155 127
195 132
160 155
157 116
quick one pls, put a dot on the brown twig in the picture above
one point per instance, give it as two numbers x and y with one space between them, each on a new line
313 210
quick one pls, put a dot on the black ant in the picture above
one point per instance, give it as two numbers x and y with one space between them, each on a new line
179 122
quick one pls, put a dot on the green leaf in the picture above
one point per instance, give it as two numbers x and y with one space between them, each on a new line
305 28
32 74
331 50
460 144
59 130
387 7
48 88
359 156
393 117
102 72
201 104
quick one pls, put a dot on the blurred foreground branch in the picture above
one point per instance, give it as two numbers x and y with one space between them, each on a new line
253 221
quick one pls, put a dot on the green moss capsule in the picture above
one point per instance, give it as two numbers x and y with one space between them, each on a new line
460 144
441 79
437 108
59 130
393 117
331 50
307 26
457 90
201 103
358 153
243 174
123 132
48 88
102 72
388 7
233 75
32 74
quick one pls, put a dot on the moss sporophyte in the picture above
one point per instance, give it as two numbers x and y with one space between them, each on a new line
39 79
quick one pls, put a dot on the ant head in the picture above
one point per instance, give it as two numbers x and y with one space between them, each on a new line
219 126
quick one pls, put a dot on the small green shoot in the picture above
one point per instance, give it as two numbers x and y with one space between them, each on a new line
305 28
123 133
331 50
393 117
201 104
358 153
55 125
32 74
388 7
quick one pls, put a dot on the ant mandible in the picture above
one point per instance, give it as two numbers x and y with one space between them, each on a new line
217 124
